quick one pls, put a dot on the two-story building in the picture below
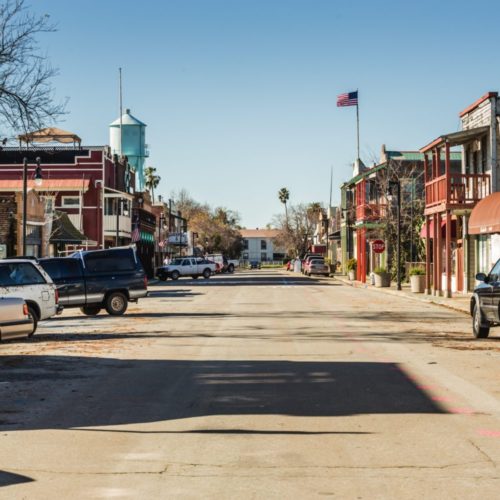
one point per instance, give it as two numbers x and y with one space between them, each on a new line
91 186
458 248
259 245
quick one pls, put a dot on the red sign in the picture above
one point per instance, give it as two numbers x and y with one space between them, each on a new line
378 246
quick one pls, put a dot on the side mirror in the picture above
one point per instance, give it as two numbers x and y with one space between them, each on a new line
481 277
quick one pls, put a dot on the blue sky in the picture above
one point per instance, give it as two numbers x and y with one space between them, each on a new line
240 95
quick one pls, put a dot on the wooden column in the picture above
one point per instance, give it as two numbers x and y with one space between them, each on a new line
448 253
427 255
439 251
447 171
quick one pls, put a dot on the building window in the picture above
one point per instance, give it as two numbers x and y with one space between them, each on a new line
70 201
263 257
245 244
245 256
263 244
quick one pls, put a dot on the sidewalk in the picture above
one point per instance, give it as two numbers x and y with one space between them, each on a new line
458 302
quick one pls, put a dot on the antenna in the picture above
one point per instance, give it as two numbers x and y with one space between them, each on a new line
121 111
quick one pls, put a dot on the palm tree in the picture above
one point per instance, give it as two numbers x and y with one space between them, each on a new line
284 196
151 180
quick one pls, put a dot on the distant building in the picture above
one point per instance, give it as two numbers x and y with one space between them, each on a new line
259 246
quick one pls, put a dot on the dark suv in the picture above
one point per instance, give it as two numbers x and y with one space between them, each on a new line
485 303
93 280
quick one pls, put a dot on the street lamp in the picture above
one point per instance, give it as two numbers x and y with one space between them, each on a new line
37 176
395 187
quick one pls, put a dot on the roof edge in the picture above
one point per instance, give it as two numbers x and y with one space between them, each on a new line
475 104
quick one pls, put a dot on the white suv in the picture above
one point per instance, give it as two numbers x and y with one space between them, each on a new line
25 278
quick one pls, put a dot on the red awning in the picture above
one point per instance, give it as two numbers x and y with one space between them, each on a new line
443 229
485 216
47 185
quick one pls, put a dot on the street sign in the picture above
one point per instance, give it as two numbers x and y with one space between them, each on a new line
378 246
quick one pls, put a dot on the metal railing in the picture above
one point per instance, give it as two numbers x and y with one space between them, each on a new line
124 223
370 211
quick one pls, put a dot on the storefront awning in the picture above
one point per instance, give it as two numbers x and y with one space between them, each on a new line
443 229
63 230
16 185
485 216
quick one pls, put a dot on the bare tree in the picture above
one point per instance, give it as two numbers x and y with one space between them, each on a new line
296 231
26 91
409 175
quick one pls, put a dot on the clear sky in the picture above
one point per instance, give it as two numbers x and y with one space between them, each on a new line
240 95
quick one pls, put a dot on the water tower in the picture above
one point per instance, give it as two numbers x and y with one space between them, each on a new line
133 143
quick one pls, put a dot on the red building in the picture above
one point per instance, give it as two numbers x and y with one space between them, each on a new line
93 187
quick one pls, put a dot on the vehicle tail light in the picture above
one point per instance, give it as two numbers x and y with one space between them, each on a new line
57 296
25 309
145 281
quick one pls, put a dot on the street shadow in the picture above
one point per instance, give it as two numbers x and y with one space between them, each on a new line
109 391
244 279
8 479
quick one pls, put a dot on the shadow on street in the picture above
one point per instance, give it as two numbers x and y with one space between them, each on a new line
141 391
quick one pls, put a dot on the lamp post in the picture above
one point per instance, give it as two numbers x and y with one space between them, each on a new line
38 181
396 185
160 246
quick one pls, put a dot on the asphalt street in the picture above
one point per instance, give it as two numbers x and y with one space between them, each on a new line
262 384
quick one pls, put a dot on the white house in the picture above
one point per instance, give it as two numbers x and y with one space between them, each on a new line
259 245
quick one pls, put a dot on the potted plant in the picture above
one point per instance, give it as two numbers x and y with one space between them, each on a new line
417 280
351 269
382 277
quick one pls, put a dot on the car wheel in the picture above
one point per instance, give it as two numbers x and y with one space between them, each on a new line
230 269
163 277
90 311
116 304
175 275
480 331
207 273
34 316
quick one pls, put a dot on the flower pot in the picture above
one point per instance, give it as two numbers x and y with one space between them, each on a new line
417 283
382 280
351 275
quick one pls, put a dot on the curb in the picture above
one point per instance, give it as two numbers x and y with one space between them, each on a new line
424 298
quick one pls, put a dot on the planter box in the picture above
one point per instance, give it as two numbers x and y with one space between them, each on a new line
417 283
351 275
382 280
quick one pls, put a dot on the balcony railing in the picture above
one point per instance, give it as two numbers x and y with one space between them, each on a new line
464 189
370 212
124 223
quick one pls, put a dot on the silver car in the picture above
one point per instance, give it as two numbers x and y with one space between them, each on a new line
317 266
15 320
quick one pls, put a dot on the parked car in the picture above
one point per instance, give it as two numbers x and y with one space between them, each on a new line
317 266
26 279
307 258
187 266
224 265
93 280
485 302
15 319
254 264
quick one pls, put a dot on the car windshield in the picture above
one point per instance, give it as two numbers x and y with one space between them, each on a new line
317 261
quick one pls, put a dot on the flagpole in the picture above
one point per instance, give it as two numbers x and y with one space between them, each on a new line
357 119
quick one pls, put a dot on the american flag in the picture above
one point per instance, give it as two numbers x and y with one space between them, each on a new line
348 99
136 235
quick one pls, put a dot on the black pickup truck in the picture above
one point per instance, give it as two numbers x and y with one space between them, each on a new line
93 280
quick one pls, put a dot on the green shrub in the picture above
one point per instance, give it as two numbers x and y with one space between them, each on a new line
352 264
417 271
380 270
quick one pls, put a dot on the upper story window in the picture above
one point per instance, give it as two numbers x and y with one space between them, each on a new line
263 244
245 244
70 201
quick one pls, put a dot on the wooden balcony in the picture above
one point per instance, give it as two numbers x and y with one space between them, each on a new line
370 212
456 191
